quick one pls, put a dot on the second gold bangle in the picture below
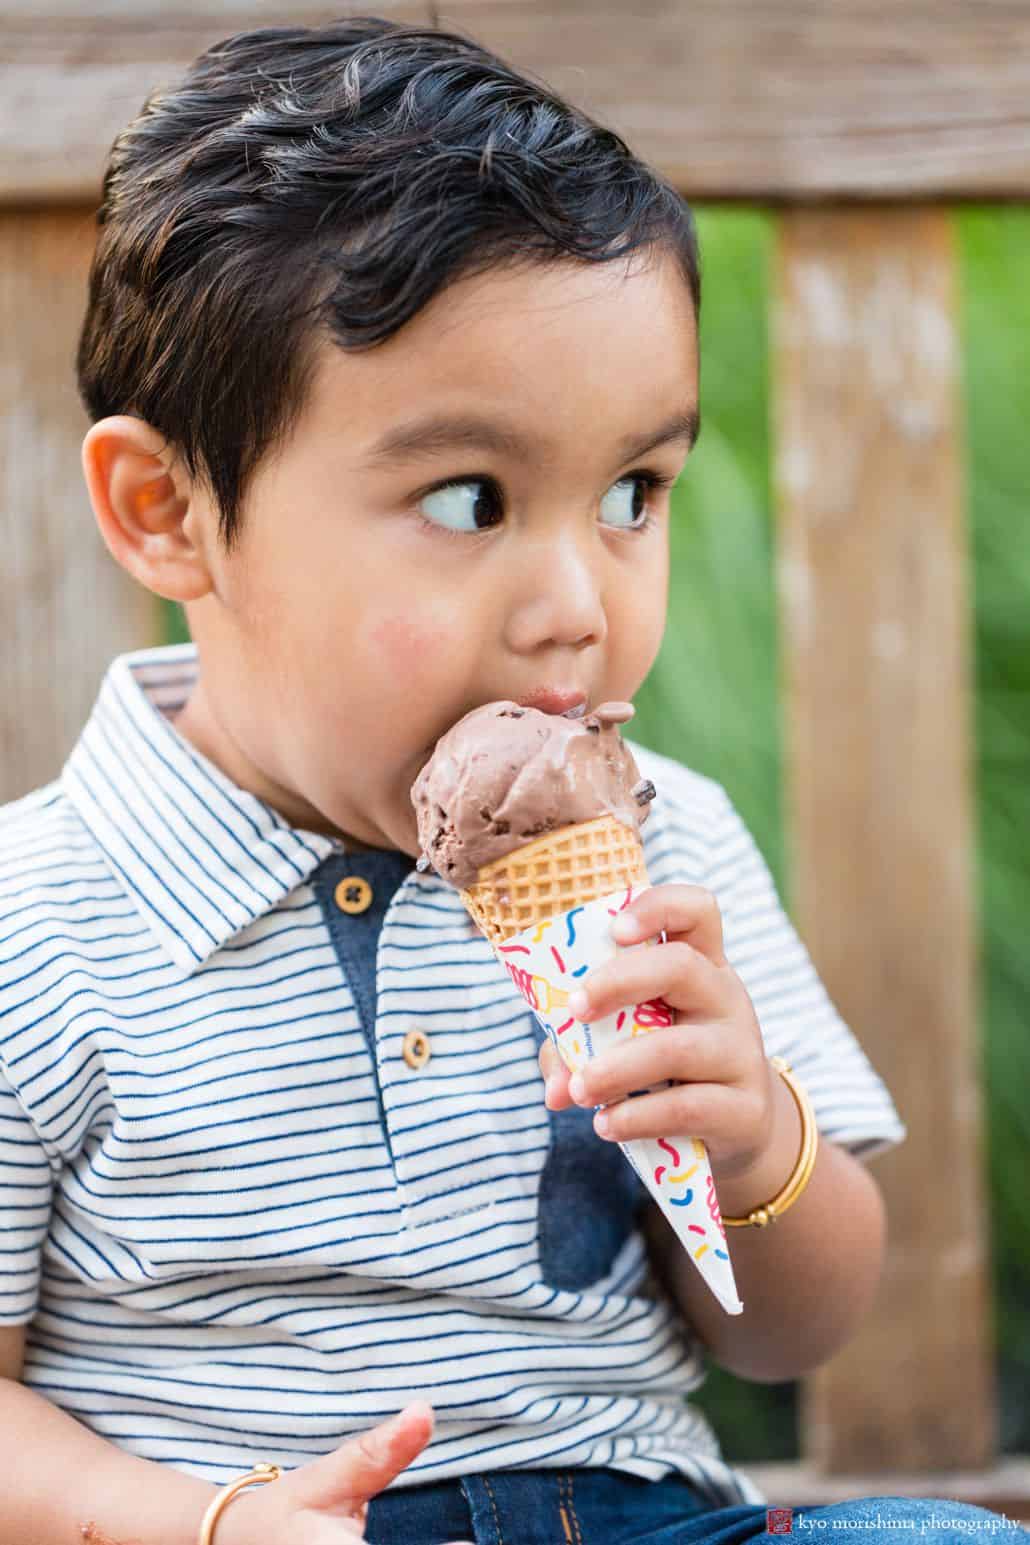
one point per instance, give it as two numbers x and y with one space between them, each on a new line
761 1217
256 1477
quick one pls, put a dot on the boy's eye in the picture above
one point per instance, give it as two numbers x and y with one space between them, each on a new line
464 504
626 500
473 504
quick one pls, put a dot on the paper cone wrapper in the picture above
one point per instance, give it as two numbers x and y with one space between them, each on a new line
544 962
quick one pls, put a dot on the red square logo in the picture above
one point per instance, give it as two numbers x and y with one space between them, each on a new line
779 1520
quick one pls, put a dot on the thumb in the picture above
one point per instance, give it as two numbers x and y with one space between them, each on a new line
363 1466
551 1064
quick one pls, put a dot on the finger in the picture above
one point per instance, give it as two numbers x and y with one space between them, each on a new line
556 1078
685 912
683 1053
365 1465
705 1111
676 972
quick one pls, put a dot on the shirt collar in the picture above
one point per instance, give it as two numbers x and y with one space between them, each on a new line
200 857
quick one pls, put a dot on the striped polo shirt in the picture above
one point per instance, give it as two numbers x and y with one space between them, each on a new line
274 1155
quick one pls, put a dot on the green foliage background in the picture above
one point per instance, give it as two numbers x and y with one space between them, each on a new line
994 246
712 699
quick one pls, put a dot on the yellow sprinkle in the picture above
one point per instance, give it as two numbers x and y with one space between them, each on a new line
700 1252
686 1174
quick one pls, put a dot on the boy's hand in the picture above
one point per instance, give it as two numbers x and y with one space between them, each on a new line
325 1502
726 1087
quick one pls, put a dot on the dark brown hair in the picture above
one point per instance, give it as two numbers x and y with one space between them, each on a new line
300 183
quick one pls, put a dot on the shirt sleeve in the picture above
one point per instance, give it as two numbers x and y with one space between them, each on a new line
26 1187
852 1105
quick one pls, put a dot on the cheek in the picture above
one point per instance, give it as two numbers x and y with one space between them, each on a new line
638 616
413 647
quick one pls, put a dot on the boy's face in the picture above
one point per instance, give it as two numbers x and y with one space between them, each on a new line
344 634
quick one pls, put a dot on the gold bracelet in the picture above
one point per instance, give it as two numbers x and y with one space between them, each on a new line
256 1477
801 1174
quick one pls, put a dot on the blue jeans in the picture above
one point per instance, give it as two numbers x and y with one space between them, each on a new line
610 1507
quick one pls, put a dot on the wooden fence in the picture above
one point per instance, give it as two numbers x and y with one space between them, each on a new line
862 123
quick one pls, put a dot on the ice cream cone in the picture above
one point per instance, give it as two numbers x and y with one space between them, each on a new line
554 873
545 903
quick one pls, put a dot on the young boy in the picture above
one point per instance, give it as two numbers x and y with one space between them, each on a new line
391 359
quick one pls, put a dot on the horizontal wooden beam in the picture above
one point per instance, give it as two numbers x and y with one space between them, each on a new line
732 99
1003 1487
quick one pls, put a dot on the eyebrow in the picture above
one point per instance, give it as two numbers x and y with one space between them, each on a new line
436 432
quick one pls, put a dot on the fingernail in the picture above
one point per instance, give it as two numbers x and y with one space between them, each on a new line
601 1123
624 928
550 1090
578 1002
577 1088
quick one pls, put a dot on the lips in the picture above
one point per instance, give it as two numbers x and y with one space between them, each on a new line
569 702
556 700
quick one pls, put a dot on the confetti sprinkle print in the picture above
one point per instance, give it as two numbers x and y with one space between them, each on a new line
675 1169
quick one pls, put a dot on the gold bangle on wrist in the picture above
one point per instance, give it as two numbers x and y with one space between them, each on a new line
255 1477
801 1174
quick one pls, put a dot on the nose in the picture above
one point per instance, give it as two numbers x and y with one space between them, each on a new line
558 594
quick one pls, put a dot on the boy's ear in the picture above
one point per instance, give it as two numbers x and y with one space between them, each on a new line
146 507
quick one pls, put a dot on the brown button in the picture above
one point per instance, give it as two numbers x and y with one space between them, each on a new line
353 894
416 1049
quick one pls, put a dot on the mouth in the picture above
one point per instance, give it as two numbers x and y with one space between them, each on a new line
568 702
563 702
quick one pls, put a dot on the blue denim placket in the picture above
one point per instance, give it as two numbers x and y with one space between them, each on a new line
355 935
589 1194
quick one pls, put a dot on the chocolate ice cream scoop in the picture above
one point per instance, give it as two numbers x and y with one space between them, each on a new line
504 774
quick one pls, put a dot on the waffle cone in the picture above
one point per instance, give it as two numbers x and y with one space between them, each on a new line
552 874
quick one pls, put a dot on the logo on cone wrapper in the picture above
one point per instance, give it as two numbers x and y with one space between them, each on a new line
544 962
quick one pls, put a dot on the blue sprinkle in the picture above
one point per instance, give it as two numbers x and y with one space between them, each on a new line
682 1201
572 932
721 1254
579 970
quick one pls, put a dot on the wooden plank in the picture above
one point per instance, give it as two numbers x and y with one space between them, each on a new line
1003 1488
734 99
67 607
877 680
